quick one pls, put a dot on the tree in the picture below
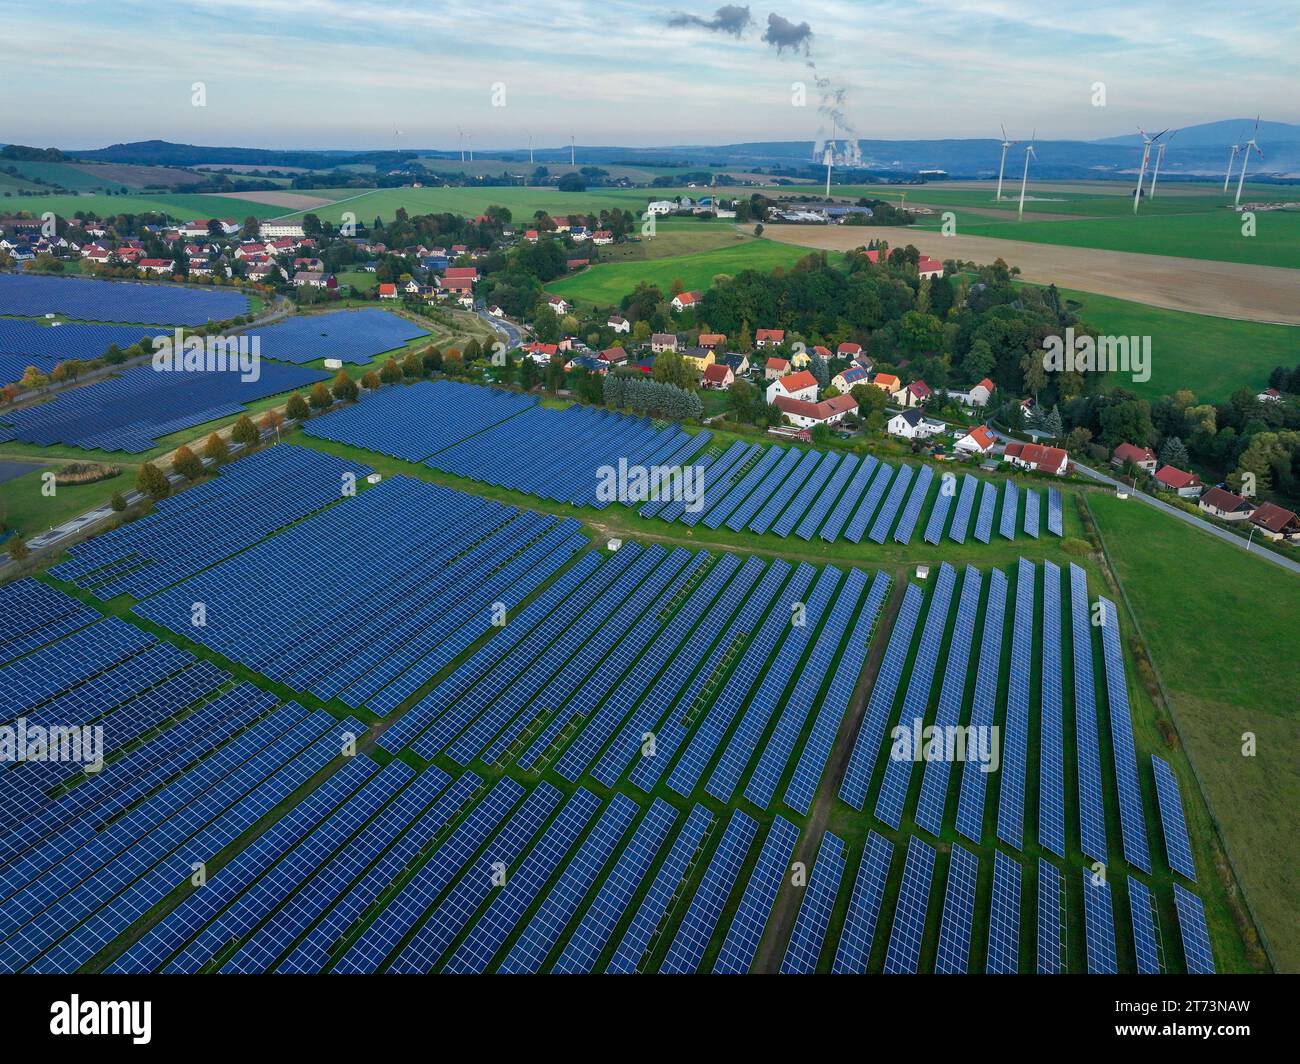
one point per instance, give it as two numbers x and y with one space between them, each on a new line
370 380
272 421
412 366
870 399
151 481
1173 452
297 407
390 372
344 388
745 339
216 448
319 397
17 548
432 359
741 397
117 501
820 370
245 431
1052 424
187 463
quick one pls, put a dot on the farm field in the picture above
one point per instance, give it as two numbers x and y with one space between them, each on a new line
1223 677
523 203
673 237
1212 357
1197 285
179 206
607 284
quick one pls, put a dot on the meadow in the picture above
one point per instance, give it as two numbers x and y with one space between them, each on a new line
179 206
1217 641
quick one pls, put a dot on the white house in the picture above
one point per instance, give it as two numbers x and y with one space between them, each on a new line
686 300
808 415
559 304
801 385
911 424
979 395
978 441
273 229
619 323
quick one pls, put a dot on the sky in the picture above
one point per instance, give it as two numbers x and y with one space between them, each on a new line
367 74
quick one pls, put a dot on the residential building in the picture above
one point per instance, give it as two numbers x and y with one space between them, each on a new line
800 385
775 367
718 375
1276 523
1223 504
769 337
1034 456
913 425
1142 457
980 440
806 414
1171 478
661 342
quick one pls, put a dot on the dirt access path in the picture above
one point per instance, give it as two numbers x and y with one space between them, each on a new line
1200 286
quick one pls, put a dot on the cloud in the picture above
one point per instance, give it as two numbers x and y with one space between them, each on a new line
730 18
781 34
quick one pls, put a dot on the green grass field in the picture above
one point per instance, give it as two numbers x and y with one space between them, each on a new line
605 285
179 206
29 511
1220 627
1211 356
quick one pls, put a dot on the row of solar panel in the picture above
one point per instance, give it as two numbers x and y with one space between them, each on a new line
88 299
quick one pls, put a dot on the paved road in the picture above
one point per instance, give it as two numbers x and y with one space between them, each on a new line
513 334
1174 511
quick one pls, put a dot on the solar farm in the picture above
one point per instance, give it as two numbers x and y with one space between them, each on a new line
488 742
87 299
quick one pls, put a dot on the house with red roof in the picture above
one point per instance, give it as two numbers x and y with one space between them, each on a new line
887 383
806 415
531 236
928 267
849 349
979 440
1171 478
1276 523
775 367
1142 457
388 290
686 301
453 273
769 337
540 352
800 385
1225 505
159 266
977 396
718 376
713 339
916 393
612 356
602 237
1034 456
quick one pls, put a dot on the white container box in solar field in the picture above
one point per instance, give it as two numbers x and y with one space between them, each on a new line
333 363
922 572
374 478
614 544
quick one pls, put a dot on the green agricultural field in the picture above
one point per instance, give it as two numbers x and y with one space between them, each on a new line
1218 640
606 285
673 236
25 508
1212 357
523 203
179 206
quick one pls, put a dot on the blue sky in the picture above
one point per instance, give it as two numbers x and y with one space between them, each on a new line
379 73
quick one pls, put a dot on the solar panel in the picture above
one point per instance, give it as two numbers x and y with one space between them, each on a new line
1004 916
958 913
859 929
1099 925
89 299
547 924
934 781
839 516
885 519
696 929
1194 931
355 336
659 900
1051 750
1031 513
739 948
970 804
898 769
1051 919
739 492
939 511
741 516
912 510
826 498
814 917
857 526
1015 730
1146 928
1055 513
1010 502
965 504
904 952
589 939
800 505
1173 823
984 518
1092 813
866 747
780 499
1132 819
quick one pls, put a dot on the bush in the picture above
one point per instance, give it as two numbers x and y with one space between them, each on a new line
297 408
187 463
370 380
17 548
117 502
345 388
1078 547
85 473
412 367
151 481
320 398
391 373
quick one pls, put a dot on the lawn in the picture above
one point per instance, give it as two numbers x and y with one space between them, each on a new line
25 508
606 285
1220 641
521 202
1212 357
179 206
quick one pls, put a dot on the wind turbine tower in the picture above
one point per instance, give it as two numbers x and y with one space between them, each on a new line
1249 146
1006 145
1160 154
1147 141
830 158
572 157
1024 179
1232 158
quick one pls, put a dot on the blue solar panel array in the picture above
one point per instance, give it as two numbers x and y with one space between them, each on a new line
355 336
984 518
1051 751
958 913
814 917
1146 928
965 504
1178 847
1051 919
87 299
1099 924
1004 917
905 940
401 421
970 804
939 512
859 931
33 614
133 411
27 343
1195 932
1132 820
885 518
1010 502
1015 730
1055 513
740 946
1092 813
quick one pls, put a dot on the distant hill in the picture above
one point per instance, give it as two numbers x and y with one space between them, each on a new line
1218 134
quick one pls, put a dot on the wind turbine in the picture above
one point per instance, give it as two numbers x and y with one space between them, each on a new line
1006 144
1249 146
461 133
1024 179
1160 154
1232 158
572 157
1147 141
469 139
530 148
